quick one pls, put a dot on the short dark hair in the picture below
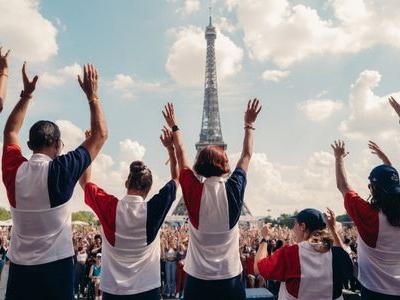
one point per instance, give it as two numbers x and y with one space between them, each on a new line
43 134
140 177
212 161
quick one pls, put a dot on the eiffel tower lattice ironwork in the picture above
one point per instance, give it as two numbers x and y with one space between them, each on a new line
211 133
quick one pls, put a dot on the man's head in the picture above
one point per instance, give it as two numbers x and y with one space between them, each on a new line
45 137
212 161
140 179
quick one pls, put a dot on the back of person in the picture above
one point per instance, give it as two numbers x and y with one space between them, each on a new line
131 248
378 247
214 211
38 195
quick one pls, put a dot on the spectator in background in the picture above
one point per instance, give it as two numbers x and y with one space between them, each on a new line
171 259
95 275
378 224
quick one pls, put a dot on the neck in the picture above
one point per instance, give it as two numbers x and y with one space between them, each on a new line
45 151
133 192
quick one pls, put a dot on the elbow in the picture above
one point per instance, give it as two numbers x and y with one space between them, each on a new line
256 270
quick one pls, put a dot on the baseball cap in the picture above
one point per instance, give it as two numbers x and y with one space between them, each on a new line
313 218
98 255
386 178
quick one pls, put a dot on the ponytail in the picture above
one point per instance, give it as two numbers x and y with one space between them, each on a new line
388 203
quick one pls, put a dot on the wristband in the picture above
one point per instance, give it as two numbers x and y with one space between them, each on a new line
263 241
94 100
249 127
3 74
175 128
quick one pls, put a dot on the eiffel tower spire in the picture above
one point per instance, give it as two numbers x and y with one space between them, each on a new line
210 133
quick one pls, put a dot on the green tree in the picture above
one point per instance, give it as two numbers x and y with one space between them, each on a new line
85 216
4 214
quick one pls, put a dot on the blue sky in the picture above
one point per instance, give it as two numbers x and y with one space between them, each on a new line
323 70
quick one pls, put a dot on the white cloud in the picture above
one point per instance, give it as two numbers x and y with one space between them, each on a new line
318 110
285 33
23 29
127 85
274 75
186 58
58 78
370 115
189 7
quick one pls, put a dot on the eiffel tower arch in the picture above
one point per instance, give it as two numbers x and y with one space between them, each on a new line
211 132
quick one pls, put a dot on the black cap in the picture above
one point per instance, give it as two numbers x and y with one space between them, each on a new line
386 178
313 218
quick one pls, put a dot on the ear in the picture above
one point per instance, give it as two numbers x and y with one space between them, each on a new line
126 184
302 226
29 145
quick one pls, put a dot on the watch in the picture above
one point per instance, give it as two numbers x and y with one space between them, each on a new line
175 128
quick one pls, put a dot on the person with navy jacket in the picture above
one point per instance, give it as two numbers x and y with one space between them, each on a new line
39 189
214 205
131 239
378 225
315 267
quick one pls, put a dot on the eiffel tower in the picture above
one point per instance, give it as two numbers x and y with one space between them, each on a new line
211 133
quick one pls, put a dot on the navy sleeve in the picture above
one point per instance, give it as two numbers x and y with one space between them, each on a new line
157 209
235 186
64 173
342 267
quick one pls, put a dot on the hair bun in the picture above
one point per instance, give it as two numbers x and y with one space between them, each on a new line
137 167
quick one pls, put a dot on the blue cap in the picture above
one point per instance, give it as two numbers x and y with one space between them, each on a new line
385 178
313 218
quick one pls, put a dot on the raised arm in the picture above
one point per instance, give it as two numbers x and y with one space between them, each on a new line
395 105
17 116
262 249
250 116
341 178
167 141
98 126
87 175
3 77
169 116
375 149
331 222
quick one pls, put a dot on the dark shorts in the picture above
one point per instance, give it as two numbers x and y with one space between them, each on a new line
370 295
229 289
49 281
148 295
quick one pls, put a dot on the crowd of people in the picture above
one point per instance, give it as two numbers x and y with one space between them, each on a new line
134 255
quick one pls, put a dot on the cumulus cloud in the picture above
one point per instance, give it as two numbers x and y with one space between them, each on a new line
284 33
58 78
189 7
186 57
318 110
370 114
274 75
127 85
26 31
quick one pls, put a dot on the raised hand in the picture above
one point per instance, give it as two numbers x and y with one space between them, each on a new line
253 109
29 85
89 84
339 149
375 149
169 114
3 62
330 218
395 105
88 133
266 230
167 138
